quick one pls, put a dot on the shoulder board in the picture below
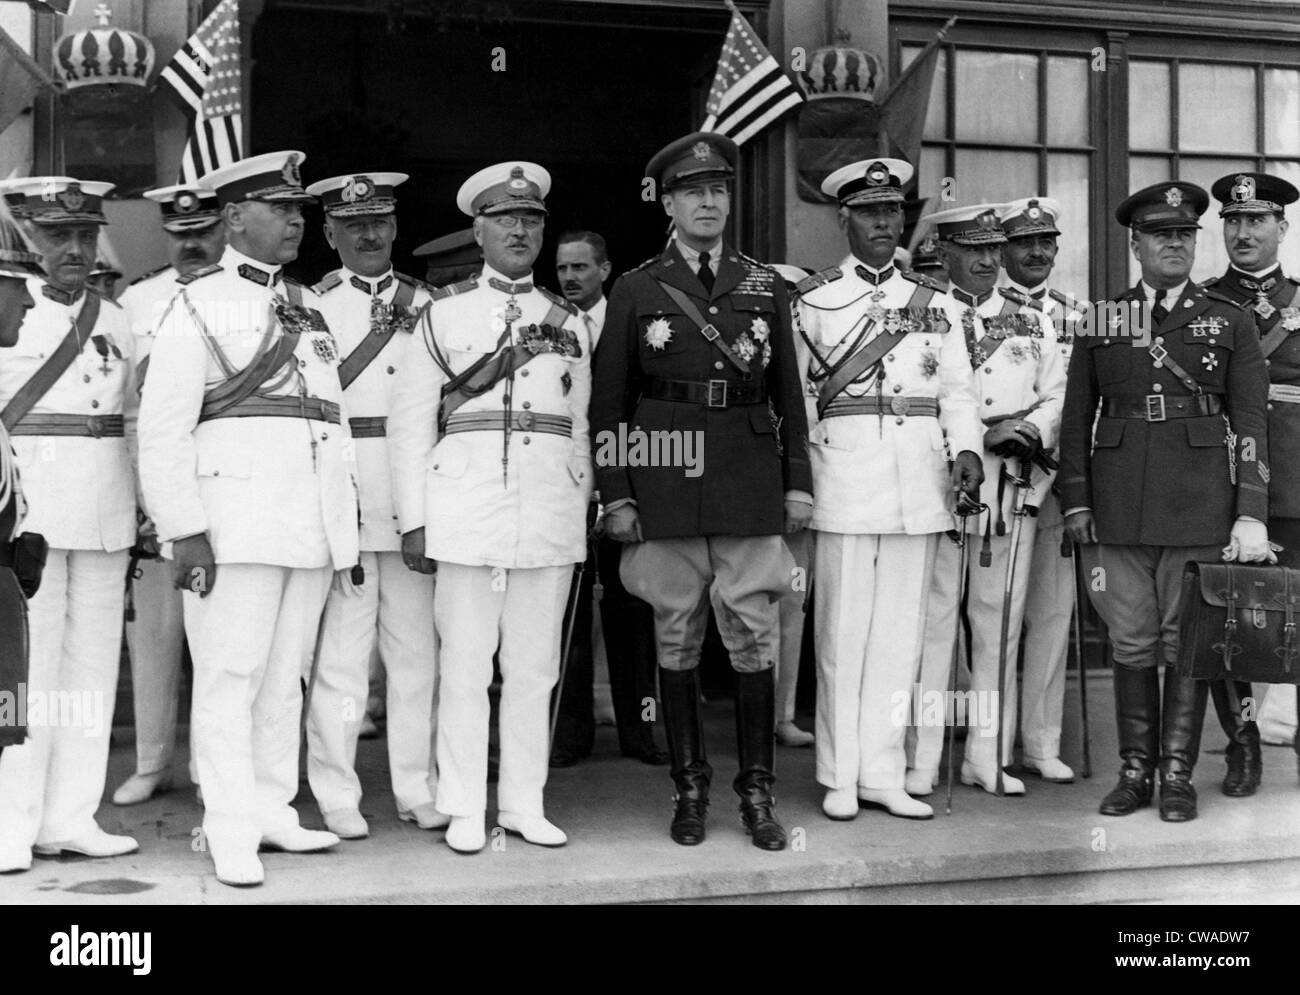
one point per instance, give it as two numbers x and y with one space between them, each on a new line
924 281
1061 298
202 271
752 263
147 276
411 281
103 297
649 262
1207 284
452 289
557 300
828 275
327 283
1016 297
1214 295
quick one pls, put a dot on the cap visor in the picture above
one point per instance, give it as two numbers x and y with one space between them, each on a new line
515 204
189 224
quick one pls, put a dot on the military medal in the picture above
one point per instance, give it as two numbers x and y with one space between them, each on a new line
875 312
658 334
1263 306
1209 361
512 313
323 346
1291 318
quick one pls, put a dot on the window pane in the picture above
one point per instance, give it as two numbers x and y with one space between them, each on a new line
1216 107
1067 101
1067 181
986 177
997 96
930 181
1148 104
1211 256
1282 111
1143 170
1289 251
936 121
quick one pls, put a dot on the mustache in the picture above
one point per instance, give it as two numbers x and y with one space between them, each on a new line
369 246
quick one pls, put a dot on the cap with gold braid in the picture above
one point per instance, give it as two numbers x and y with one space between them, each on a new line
1253 193
870 181
186 207
358 194
507 186
1030 216
17 260
974 225
57 200
272 177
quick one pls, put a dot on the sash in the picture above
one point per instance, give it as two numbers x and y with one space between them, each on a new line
870 354
373 344
705 328
994 343
43 379
1279 333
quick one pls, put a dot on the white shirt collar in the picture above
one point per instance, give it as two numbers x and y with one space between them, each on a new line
597 311
232 259
1171 297
692 256
488 273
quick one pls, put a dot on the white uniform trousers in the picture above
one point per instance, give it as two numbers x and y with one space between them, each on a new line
157 642
523 610
394 610
51 785
869 618
793 602
251 639
984 606
1049 608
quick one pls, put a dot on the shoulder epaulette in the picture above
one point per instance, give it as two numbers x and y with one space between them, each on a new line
1064 299
202 271
327 283
451 289
147 276
103 297
652 260
411 281
1214 295
557 300
751 261
924 281
828 275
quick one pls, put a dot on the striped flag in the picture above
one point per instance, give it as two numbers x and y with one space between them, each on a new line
204 75
749 90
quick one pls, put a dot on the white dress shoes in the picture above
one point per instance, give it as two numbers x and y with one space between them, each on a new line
987 779
465 833
239 869
789 734
299 840
346 824
840 804
1052 770
533 828
425 816
896 802
920 783
141 787
95 844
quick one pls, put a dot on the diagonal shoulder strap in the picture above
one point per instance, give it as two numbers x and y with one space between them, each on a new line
43 379
705 328
852 368
356 362
1279 333
239 387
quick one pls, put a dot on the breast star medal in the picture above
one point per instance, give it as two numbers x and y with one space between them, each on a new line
1209 361
1263 306
512 313
759 330
658 334
322 344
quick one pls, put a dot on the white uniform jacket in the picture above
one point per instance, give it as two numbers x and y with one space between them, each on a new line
483 502
270 490
883 474
1017 365
80 490
346 301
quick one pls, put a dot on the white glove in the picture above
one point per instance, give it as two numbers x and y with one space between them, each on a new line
1249 543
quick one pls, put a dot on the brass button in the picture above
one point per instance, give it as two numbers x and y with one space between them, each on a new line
988 369
526 440
1268 362
86 378
718 365
1157 387
528 404
898 421
891 357
94 404
988 400
391 370
324 436
713 310
216 473
898 388
523 373
302 363
435 466
1270 407
1160 340
1211 341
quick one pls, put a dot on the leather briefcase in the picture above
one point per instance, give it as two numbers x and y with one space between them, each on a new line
1239 621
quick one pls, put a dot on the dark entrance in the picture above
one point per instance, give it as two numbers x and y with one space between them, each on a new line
588 91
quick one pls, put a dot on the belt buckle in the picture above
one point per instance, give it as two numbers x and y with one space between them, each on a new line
717 396
526 420
1155 407
95 426
898 405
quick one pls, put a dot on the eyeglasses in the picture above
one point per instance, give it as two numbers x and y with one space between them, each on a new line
513 221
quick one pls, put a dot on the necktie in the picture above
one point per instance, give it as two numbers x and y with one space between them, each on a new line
590 322
705 274
1159 312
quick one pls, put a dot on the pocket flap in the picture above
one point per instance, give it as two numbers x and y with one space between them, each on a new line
1252 588
449 458
1110 432
233 465
1204 432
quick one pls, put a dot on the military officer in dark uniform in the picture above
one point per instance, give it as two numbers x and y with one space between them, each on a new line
1176 472
1253 225
697 350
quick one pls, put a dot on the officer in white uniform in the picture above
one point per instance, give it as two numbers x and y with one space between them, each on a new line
885 378
491 478
1031 228
1020 387
196 238
245 461
372 311
63 390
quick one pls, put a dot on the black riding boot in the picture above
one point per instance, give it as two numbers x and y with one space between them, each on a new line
680 693
1245 764
755 739
1137 716
1182 715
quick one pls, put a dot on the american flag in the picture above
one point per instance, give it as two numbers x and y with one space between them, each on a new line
204 74
749 90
